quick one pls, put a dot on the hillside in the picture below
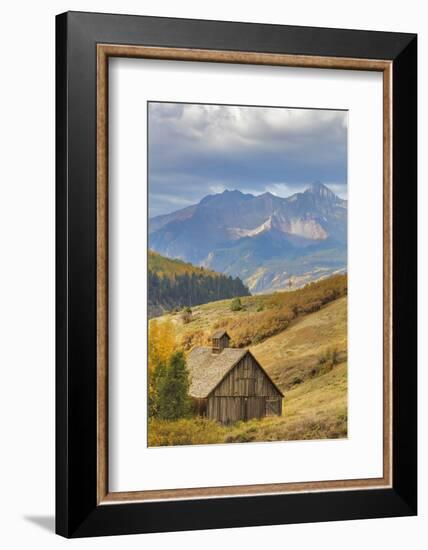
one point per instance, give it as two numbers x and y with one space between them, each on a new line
316 391
308 361
260 317
174 284
266 240
292 355
172 267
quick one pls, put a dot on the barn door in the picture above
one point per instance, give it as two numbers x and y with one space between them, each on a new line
272 406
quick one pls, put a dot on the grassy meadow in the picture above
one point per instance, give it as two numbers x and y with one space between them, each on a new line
261 316
300 338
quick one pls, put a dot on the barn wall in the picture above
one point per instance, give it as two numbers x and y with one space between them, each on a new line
245 393
273 406
225 409
246 379
232 409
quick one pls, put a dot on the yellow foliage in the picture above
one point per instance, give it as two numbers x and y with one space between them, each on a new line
316 409
261 317
169 267
161 346
264 316
161 342
185 431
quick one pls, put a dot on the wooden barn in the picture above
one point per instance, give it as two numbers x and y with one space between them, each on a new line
229 384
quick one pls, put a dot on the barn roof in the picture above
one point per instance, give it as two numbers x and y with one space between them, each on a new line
207 369
220 333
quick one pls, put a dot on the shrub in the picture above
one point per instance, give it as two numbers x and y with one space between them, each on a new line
257 339
236 304
186 315
330 357
243 437
270 314
185 431
311 307
322 359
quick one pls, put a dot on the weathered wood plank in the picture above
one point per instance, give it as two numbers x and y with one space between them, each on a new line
246 379
246 392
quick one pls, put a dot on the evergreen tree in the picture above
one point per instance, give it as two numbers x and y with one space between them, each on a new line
236 304
192 288
173 398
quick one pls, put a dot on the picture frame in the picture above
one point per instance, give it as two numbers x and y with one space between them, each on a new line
84 44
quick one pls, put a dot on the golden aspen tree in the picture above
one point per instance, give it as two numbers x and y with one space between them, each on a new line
161 346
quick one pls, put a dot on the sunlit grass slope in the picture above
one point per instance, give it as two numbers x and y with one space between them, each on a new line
299 359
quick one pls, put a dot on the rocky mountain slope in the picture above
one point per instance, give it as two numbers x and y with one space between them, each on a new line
268 241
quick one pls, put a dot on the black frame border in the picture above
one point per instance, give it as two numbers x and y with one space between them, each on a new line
77 512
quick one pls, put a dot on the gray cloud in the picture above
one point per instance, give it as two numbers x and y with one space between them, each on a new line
195 150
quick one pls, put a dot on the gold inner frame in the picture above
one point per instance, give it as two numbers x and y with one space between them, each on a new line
104 52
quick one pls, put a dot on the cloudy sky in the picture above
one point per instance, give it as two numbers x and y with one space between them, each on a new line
197 150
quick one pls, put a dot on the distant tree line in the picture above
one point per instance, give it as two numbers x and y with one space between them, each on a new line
192 289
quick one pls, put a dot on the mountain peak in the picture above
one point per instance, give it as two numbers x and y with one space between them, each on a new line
267 198
225 195
319 189
315 187
232 192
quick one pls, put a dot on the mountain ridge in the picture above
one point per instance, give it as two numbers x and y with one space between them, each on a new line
277 234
